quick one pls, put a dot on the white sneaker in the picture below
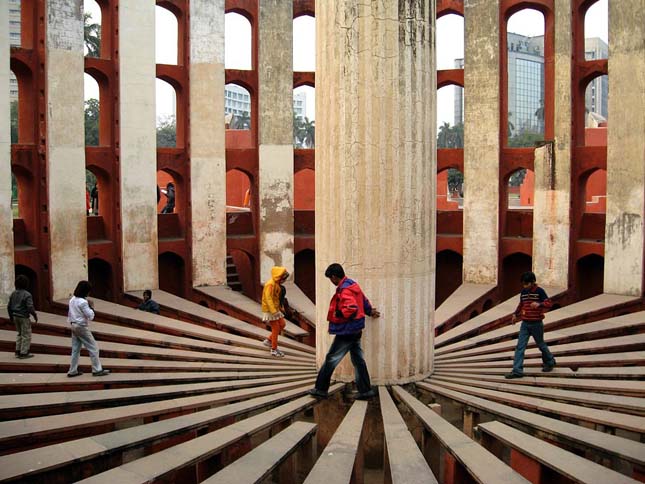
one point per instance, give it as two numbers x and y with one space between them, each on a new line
277 353
266 342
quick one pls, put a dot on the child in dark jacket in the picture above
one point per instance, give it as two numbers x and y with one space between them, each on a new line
533 303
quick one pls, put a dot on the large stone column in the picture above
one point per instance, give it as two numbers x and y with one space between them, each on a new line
481 141
138 150
551 210
275 74
207 144
376 175
66 146
626 149
6 217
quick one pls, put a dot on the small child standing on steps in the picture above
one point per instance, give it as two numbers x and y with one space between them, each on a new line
530 310
21 305
273 297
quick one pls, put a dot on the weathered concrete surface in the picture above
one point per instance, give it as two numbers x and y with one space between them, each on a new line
65 145
6 217
275 118
552 196
207 144
138 143
481 141
375 175
626 149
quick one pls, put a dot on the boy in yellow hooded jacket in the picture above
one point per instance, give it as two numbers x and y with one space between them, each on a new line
273 307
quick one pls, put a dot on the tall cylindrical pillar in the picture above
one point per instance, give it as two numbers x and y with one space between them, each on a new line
376 175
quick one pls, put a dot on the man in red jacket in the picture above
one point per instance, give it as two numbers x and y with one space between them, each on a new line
346 317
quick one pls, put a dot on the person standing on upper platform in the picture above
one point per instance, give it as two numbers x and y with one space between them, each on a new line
533 303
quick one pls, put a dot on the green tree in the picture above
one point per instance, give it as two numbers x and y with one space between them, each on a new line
307 133
14 121
450 136
167 133
297 131
92 122
525 139
92 36
455 180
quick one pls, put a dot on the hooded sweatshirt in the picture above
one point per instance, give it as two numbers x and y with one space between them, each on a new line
271 295
348 308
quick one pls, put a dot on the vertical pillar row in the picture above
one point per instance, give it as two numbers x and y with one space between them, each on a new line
551 211
6 217
481 141
376 175
207 142
138 151
624 242
66 146
275 75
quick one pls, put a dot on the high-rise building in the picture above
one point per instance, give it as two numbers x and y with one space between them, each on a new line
300 104
237 101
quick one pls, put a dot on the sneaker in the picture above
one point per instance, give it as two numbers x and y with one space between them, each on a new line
26 356
101 373
267 343
314 392
548 368
367 395
511 375
277 353
72 375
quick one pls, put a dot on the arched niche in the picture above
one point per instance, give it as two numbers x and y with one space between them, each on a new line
14 100
520 190
245 268
92 28
167 193
590 276
237 107
92 111
304 117
513 266
597 30
166 36
450 117
304 44
449 274
450 190
526 78
238 42
166 109
15 197
595 192
305 272
450 42
22 270
304 193
172 273
596 111
100 275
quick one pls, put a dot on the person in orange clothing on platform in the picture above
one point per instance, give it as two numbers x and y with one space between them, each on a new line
273 307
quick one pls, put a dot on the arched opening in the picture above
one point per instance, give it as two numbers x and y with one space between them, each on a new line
595 192
14 96
21 270
596 111
513 266
450 42
305 272
15 24
449 275
23 208
304 193
23 100
590 276
450 190
238 39
304 44
99 273
239 203
304 117
166 36
525 67
171 273
450 117
92 111
597 31
92 28
521 185
166 115
245 270
167 192
91 193
15 206
237 107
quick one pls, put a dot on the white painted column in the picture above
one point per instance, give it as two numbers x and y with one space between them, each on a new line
551 210
376 175
207 142
275 74
138 150
66 146
6 216
481 141
626 149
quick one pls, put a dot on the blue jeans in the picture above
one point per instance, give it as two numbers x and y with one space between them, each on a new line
535 329
342 344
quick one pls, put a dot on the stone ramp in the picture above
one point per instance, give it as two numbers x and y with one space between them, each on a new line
464 296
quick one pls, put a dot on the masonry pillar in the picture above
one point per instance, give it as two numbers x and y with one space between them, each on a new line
207 143
138 151
6 216
66 146
551 210
376 175
625 149
481 141
275 74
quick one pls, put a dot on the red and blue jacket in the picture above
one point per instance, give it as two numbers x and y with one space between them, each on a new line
528 296
348 308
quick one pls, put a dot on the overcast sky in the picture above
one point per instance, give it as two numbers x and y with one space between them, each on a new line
450 46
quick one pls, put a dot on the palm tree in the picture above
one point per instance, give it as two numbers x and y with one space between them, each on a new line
308 130
443 139
92 36
297 131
